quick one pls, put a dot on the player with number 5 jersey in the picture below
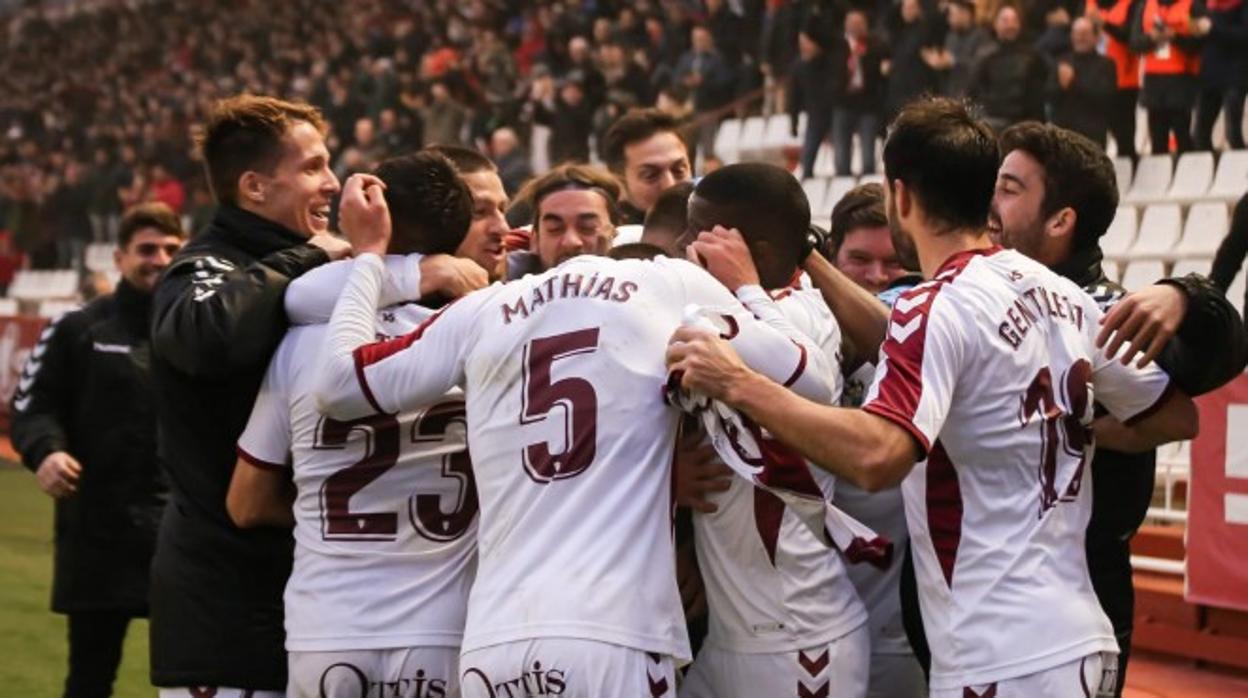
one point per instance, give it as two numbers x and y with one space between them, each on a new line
572 445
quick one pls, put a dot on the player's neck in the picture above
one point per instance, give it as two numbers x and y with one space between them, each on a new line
935 249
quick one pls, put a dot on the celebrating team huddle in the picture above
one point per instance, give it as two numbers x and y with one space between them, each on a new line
486 479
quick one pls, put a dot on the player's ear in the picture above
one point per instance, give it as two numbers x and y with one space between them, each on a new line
251 187
1062 223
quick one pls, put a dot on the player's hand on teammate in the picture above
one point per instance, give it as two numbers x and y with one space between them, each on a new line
58 474
334 246
699 474
363 214
1144 321
450 277
705 363
724 253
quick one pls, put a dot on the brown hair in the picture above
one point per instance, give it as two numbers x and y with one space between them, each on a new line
245 133
861 207
150 214
572 176
635 126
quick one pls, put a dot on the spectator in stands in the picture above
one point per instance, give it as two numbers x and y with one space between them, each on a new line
167 189
511 158
563 107
94 284
444 117
1169 34
67 210
1223 73
1082 87
1228 263
708 76
646 151
909 75
1115 19
965 43
728 30
858 105
1053 39
1009 81
86 426
812 89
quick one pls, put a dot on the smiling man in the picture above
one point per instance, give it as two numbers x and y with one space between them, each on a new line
645 149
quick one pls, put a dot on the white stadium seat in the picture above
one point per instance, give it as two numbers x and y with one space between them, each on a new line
825 164
99 256
1122 172
751 146
778 135
1110 267
815 188
1141 274
51 309
1159 231
1194 265
43 284
1206 225
876 178
1121 234
1152 180
1231 180
727 141
8 307
1192 177
837 189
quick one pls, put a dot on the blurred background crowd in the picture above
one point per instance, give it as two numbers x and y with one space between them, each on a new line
79 146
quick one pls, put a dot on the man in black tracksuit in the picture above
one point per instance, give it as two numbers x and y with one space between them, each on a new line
1056 196
84 421
217 317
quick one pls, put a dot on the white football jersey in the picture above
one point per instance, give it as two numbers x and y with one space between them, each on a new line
385 510
771 585
992 367
570 436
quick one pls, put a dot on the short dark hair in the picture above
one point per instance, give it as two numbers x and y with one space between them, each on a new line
947 158
245 133
634 126
150 214
861 207
430 206
572 176
466 160
1077 173
771 203
670 210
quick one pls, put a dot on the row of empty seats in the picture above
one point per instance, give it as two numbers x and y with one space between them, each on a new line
1163 232
1194 178
36 285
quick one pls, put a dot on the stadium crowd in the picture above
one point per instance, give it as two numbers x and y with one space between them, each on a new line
830 466
80 145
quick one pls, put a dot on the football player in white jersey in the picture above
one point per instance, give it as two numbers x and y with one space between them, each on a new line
783 612
385 507
571 441
986 379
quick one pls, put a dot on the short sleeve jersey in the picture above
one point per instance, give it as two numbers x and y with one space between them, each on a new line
385 509
772 586
571 440
992 368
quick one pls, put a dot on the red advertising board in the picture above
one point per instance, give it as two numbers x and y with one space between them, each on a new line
1217 509
18 336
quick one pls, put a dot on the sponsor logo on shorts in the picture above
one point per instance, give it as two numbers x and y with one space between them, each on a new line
344 676
536 682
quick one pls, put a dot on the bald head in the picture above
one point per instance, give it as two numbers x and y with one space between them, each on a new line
1083 35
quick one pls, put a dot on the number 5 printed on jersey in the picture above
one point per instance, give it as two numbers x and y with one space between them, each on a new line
573 398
